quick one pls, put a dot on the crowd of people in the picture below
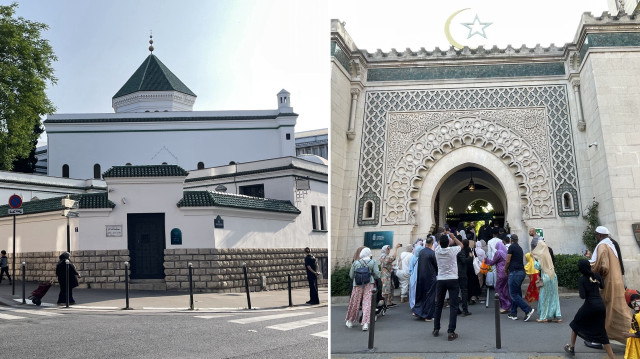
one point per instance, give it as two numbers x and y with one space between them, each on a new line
450 267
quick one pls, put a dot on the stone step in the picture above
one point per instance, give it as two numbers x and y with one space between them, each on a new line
147 284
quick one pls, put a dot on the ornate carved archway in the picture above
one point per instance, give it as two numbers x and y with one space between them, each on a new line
467 129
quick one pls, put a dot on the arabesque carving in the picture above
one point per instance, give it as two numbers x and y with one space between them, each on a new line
528 162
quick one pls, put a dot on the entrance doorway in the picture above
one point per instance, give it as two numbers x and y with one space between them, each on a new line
146 241
470 194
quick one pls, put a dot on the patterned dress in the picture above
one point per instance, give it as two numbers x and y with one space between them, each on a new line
549 301
386 266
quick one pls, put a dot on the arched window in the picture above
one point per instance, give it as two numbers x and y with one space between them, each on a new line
96 171
65 170
200 165
368 210
567 201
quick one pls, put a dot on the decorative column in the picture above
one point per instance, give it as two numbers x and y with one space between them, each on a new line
351 133
582 125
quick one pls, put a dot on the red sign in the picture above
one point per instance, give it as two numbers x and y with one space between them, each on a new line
15 201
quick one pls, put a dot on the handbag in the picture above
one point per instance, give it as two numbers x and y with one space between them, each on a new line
484 267
477 265
539 283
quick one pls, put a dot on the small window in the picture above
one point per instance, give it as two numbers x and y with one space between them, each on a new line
368 210
96 171
567 201
323 219
65 171
200 165
314 225
256 190
288 136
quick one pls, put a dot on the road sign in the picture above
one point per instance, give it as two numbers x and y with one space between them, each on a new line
16 211
15 201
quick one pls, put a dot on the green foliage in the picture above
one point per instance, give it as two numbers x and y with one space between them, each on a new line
567 270
341 284
588 236
25 70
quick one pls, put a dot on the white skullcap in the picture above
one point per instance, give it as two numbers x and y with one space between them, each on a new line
602 230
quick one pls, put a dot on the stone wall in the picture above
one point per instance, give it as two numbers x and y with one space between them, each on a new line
98 269
220 270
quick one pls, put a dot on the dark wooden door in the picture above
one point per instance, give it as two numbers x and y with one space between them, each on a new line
146 239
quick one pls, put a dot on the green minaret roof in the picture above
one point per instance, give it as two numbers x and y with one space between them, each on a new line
153 75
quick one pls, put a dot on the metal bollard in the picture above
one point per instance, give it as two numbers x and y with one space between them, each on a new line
67 281
246 283
372 319
24 297
497 315
126 283
290 301
486 303
190 286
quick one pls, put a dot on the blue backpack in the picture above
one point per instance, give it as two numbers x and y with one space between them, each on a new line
362 275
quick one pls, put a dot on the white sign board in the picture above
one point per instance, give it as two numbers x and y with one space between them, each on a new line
114 230
16 211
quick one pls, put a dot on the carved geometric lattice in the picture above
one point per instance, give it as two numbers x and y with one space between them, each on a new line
553 98
480 129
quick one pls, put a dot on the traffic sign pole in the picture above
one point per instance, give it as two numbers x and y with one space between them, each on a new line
15 202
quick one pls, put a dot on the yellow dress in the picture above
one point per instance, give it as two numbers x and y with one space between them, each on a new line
633 344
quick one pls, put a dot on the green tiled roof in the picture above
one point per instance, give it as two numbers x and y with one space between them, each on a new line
87 200
145 171
153 75
218 199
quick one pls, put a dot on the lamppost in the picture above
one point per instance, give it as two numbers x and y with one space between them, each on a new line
68 205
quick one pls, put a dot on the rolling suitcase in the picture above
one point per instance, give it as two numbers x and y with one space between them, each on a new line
36 295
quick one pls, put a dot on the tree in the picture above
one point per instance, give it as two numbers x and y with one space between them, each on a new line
25 70
589 234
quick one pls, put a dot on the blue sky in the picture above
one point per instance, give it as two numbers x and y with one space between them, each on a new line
234 54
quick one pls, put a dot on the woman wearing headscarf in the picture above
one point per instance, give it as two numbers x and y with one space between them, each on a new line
588 323
425 299
61 273
473 283
386 266
413 272
403 273
548 302
362 293
502 283
532 291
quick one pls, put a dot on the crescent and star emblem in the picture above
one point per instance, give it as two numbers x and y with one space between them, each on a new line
475 28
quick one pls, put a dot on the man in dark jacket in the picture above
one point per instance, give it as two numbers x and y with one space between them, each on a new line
311 265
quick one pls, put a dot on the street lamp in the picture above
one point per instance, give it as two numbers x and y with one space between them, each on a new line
68 205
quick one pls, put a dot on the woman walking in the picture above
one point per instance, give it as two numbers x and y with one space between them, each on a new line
61 273
502 282
386 266
549 302
532 291
413 272
361 293
588 323
473 283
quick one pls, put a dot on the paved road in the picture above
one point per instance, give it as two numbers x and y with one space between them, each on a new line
48 332
399 334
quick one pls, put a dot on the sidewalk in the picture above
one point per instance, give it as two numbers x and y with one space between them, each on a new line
163 300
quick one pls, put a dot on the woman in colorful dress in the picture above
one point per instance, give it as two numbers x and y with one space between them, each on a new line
502 281
386 268
532 291
548 301
362 293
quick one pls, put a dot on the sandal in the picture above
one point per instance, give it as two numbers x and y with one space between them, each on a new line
436 332
543 320
569 349
452 336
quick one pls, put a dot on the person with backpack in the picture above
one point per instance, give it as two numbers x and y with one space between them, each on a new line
363 273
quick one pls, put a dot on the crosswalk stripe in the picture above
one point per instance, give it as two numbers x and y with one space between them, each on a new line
324 334
299 324
268 317
10 317
213 316
33 311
